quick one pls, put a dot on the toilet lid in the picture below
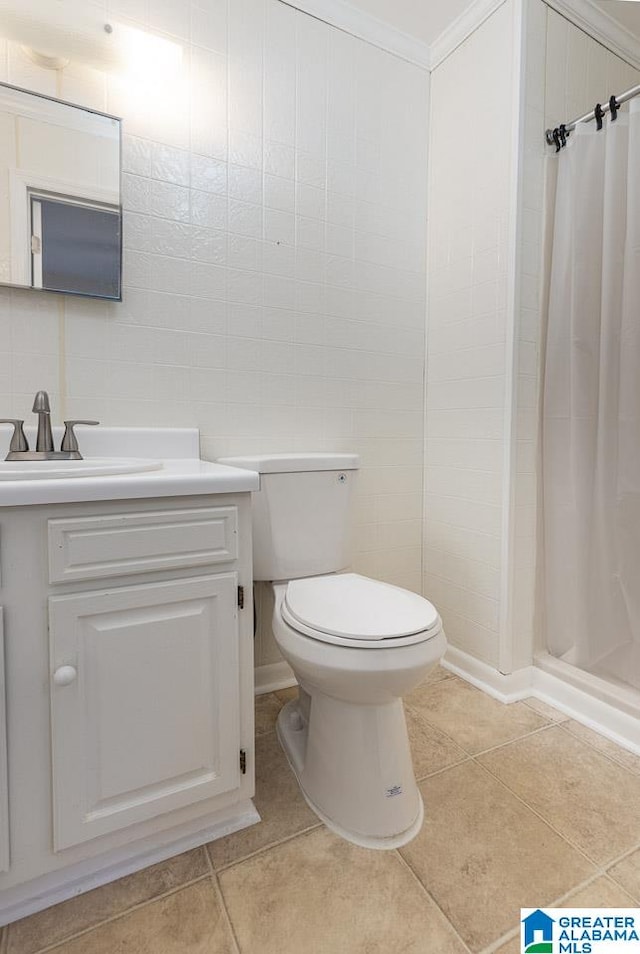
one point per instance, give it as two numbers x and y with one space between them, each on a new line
356 607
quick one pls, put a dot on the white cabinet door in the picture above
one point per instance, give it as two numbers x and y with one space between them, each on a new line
144 702
4 790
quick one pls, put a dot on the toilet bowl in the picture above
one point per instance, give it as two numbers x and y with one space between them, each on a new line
345 736
356 647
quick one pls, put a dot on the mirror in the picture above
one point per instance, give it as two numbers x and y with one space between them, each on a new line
60 212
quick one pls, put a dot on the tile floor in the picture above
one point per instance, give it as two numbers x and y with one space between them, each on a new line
524 807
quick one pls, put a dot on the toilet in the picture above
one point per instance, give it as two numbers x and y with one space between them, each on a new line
355 645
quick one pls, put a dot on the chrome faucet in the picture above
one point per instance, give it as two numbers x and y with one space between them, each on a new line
19 446
41 407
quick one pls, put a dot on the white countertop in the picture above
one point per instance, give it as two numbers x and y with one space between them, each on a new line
177 476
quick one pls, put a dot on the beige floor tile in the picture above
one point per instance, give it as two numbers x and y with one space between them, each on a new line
604 745
544 709
190 921
510 947
431 749
483 855
600 893
434 675
267 707
286 695
87 910
279 802
322 895
472 718
627 874
588 798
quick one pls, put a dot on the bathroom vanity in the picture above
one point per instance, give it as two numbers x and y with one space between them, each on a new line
127 683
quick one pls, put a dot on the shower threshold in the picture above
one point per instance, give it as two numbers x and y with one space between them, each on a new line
601 703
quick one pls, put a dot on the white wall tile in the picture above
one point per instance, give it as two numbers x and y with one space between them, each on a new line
466 336
282 156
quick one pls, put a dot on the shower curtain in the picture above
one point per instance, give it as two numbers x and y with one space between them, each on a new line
591 424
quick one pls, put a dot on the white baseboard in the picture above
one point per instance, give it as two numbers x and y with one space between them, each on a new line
504 688
23 900
532 681
614 723
272 677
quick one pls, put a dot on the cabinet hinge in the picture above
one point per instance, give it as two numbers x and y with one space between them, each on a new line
243 762
241 597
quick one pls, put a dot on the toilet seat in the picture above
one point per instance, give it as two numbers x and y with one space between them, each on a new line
351 610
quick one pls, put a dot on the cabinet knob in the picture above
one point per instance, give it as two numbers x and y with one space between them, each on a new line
65 675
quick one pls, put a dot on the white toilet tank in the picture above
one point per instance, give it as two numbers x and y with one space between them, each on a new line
301 513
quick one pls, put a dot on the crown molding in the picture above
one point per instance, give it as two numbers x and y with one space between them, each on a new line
344 16
461 29
601 26
583 13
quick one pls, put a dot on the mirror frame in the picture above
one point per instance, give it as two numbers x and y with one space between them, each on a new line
119 121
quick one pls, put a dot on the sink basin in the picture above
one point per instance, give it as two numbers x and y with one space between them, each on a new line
63 469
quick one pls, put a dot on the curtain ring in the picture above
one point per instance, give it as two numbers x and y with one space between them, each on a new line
598 114
613 108
556 139
562 133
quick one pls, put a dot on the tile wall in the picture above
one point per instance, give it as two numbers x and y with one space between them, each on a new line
468 317
482 431
580 71
275 199
567 72
526 349
275 202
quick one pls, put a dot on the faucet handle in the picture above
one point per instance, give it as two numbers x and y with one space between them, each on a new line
19 442
69 441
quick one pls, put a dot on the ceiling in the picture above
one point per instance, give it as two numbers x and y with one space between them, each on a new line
423 19
628 14
426 19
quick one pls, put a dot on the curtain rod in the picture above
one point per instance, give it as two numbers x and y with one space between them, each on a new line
551 134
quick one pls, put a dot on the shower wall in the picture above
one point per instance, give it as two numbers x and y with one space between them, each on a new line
490 172
567 72
579 71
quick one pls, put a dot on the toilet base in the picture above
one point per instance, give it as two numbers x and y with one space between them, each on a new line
353 765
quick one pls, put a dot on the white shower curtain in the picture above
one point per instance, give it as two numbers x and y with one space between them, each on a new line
591 428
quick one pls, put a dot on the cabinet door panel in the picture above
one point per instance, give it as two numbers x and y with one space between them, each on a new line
149 721
4 789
